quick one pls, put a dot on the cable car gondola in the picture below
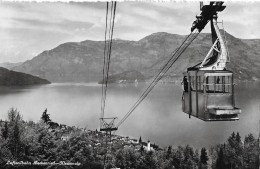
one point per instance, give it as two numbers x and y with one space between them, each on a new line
208 87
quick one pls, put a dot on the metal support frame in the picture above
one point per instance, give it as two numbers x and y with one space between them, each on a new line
107 125
211 49
219 46
226 42
189 91
258 140
196 88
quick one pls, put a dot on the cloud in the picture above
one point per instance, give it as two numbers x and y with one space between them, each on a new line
31 27
242 19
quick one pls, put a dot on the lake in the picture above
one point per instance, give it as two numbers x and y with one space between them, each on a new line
158 118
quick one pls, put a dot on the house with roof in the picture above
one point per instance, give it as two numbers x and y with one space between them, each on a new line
65 137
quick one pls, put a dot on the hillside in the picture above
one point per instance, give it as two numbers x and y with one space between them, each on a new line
126 77
12 78
46 144
83 61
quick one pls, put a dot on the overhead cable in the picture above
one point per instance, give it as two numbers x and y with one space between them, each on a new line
176 54
107 54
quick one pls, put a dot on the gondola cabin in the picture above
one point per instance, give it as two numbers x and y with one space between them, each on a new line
208 86
209 95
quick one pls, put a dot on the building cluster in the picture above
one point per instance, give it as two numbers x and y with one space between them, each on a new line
99 139
63 131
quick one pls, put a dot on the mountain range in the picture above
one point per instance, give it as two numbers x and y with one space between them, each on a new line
83 61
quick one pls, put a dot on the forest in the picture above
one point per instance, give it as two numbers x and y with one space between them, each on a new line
46 144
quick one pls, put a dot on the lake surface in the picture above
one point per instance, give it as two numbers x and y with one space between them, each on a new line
158 118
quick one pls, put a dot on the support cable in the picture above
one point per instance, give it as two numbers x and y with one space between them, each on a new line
176 54
107 55
110 46
106 61
104 64
165 68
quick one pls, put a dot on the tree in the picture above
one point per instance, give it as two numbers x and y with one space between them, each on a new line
169 152
14 143
203 158
178 157
220 164
150 161
141 149
120 158
13 116
197 157
234 151
5 131
251 152
140 140
45 117
5 153
189 160
126 158
238 138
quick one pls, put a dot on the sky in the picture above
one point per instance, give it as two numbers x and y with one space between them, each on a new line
29 28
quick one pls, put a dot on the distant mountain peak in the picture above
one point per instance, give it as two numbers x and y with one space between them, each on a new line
83 61
161 35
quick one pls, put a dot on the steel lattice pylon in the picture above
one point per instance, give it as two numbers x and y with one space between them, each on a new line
107 125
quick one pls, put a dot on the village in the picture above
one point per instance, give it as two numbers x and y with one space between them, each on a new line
98 138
